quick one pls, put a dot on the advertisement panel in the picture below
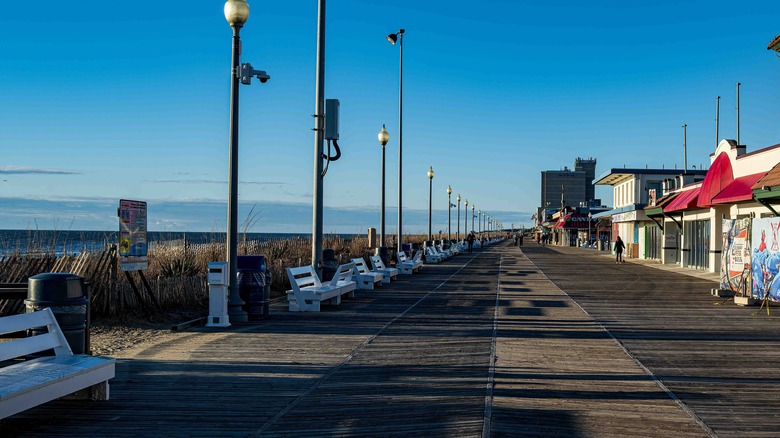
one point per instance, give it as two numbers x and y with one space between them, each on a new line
766 257
735 262
132 235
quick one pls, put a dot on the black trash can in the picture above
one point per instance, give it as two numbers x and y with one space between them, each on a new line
383 254
252 287
66 295
267 292
329 264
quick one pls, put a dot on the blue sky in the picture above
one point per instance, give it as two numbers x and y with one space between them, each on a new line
102 101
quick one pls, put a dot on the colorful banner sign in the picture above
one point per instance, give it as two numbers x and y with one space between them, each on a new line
132 236
766 258
735 260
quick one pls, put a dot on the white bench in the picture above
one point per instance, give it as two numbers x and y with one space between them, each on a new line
32 382
406 266
431 256
446 253
364 277
390 274
308 291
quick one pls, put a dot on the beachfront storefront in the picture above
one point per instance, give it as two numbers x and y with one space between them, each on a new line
571 227
633 190
731 190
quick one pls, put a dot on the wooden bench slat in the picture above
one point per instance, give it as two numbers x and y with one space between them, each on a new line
25 346
16 323
44 371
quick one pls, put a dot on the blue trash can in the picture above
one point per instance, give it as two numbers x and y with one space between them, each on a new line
252 289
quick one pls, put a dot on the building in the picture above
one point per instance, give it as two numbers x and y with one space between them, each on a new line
567 197
589 167
678 217
569 187
633 190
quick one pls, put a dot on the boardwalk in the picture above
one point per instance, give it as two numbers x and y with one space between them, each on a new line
539 342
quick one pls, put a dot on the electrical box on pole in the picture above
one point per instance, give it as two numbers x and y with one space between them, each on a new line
332 119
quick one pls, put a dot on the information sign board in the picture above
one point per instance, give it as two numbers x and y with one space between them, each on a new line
132 235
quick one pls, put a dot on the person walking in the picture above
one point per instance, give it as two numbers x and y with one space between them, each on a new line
470 239
619 247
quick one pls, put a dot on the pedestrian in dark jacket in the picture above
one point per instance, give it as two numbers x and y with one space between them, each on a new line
619 247
470 239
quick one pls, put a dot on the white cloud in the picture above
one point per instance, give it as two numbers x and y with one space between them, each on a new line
15 170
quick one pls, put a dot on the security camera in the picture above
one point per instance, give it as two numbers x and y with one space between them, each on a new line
247 72
262 76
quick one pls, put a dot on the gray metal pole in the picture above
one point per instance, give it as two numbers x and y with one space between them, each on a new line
685 148
400 138
235 311
430 206
319 116
382 216
738 84
457 232
449 216
717 120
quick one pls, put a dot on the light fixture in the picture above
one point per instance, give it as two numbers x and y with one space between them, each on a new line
383 136
236 12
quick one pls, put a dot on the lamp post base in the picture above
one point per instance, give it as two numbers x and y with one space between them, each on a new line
382 252
236 313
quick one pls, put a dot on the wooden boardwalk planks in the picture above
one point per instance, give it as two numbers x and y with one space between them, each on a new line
717 358
559 373
414 359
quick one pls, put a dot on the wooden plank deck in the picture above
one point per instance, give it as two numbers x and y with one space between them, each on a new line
719 359
432 355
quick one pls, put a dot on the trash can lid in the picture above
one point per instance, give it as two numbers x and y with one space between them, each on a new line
250 262
55 287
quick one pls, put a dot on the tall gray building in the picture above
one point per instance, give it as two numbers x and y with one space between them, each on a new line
574 186
589 167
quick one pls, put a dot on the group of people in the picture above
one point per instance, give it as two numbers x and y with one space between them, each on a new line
544 239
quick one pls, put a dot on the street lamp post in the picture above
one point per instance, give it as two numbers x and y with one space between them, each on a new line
392 38
430 200
449 213
466 219
473 216
590 215
383 137
479 222
457 231
236 14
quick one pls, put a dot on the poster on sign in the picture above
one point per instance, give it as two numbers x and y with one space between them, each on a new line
132 235
735 263
766 258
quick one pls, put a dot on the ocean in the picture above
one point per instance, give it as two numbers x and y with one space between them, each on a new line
73 242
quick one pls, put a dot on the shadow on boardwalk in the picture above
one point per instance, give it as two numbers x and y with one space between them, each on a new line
415 359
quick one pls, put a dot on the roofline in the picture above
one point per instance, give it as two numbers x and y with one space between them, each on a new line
774 44
670 172
766 149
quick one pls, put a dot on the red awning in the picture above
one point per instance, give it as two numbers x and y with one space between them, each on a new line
739 190
573 221
684 201
562 221
718 177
